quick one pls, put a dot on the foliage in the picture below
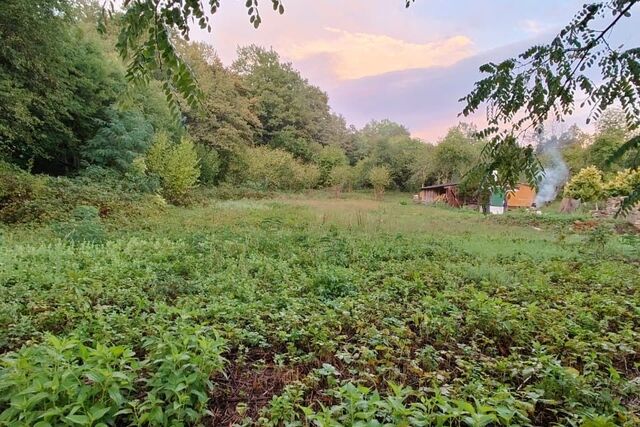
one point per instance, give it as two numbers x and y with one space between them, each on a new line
586 185
18 191
63 381
389 144
288 107
270 169
622 183
328 159
544 81
124 137
176 165
379 312
84 226
56 85
379 178
209 161
224 119
342 178
452 158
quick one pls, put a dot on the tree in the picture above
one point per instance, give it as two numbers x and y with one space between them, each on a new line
56 85
175 164
224 119
126 136
454 156
610 137
380 178
294 114
342 178
328 159
544 81
586 185
388 143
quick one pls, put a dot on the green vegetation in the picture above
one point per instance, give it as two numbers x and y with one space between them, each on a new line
160 266
317 310
586 185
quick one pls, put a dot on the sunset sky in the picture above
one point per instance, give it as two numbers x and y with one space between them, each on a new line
378 60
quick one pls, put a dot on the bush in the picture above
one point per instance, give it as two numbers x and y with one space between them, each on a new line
19 192
270 169
623 183
380 178
175 165
342 178
586 185
84 226
209 161
121 141
328 158
304 176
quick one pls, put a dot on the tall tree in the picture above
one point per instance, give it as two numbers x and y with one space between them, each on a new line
294 114
225 118
56 85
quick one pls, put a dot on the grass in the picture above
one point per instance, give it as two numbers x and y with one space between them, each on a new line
306 309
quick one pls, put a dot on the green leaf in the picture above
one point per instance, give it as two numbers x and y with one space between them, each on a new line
78 419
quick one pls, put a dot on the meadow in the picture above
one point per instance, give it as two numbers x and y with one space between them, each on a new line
312 310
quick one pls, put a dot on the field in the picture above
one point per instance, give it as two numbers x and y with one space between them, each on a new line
311 310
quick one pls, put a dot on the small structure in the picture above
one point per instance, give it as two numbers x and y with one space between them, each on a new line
522 197
496 202
447 193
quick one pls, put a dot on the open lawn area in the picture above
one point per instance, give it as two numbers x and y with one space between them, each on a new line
312 310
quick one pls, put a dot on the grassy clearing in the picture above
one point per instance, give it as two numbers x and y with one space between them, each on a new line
309 309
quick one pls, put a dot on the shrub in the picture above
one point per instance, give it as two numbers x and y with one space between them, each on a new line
123 139
586 185
622 183
209 161
304 176
270 169
380 178
84 226
342 178
327 159
19 192
176 165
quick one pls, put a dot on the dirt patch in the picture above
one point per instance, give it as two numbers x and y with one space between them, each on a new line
251 384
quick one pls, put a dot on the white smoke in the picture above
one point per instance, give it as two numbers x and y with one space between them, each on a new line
556 175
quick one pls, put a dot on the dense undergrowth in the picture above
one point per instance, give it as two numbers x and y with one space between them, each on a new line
309 310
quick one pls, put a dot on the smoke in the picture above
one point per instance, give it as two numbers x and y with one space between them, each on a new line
556 175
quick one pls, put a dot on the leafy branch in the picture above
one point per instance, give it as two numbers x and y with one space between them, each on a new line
544 81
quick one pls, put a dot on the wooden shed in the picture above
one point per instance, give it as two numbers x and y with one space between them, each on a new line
522 197
447 193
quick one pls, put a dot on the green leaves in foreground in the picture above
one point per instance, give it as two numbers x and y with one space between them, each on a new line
65 382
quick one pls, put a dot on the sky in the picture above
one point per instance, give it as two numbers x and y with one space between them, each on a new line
377 59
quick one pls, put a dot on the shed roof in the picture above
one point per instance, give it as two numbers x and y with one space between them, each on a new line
441 186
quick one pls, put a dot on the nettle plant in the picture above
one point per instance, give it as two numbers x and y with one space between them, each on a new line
65 382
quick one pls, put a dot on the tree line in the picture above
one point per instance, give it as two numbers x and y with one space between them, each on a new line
67 109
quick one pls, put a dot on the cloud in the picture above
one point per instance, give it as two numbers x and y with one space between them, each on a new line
534 27
354 55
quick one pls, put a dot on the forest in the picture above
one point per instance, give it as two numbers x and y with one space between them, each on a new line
203 243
